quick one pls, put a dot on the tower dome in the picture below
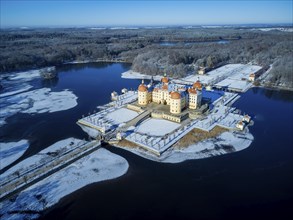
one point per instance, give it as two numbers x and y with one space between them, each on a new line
175 95
142 88
192 90
165 87
197 85
165 79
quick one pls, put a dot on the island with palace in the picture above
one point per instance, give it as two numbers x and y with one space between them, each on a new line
167 115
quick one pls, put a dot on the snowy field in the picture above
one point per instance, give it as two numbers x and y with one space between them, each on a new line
215 75
230 75
233 76
236 82
274 29
11 151
98 166
136 75
157 127
212 147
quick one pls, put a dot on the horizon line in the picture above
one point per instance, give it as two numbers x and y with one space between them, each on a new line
145 25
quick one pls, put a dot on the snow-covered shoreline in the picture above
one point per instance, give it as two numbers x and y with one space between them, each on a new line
98 166
130 74
11 151
227 142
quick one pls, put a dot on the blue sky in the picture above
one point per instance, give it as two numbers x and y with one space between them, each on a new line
113 13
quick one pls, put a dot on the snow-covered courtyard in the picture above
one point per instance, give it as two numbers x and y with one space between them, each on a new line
107 119
120 116
111 116
156 127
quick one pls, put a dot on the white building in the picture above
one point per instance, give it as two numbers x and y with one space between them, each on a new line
246 118
240 125
201 71
251 77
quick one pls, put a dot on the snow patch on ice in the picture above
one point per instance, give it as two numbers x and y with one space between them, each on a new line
46 101
11 151
20 90
36 101
22 76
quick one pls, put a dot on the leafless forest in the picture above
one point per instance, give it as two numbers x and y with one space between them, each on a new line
177 51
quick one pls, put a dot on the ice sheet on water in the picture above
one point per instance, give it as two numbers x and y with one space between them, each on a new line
11 151
16 91
36 101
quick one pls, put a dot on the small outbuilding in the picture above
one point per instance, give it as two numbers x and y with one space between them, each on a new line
251 77
240 125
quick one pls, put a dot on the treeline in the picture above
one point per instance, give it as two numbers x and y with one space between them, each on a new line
183 52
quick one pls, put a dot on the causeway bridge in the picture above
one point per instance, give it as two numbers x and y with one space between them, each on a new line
15 183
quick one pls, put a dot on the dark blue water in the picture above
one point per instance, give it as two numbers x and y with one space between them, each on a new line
254 183
91 83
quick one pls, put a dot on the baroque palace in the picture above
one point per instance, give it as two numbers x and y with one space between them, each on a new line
178 97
